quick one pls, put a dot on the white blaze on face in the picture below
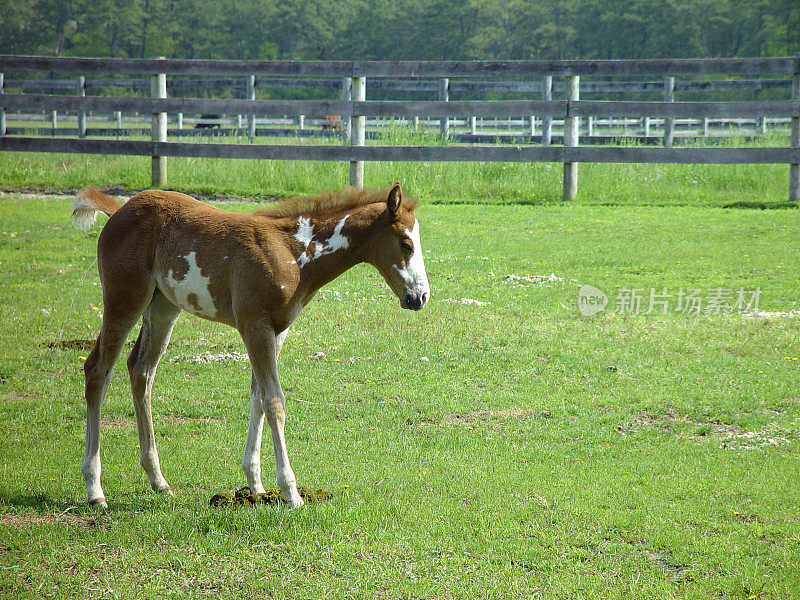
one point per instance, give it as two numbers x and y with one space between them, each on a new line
192 283
305 235
413 274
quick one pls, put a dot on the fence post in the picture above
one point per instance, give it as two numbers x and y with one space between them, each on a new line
346 120
669 122
533 126
646 127
547 122
2 111
589 126
444 96
794 136
358 86
571 129
158 131
54 120
82 114
251 95
118 122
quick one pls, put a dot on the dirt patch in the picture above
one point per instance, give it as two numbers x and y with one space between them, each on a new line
666 422
749 440
273 497
208 357
184 420
77 344
130 423
117 423
662 561
519 414
730 436
484 415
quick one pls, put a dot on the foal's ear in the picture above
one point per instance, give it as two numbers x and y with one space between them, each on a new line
395 198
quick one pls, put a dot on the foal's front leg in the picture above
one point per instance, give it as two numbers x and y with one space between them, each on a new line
266 398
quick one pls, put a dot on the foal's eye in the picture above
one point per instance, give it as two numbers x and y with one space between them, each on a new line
407 245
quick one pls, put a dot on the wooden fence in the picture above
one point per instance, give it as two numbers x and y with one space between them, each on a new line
354 108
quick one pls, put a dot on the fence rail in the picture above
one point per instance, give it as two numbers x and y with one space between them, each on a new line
354 108
478 68
409 85
392 108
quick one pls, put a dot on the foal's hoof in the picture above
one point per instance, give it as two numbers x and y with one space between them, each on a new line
98 504
295 504
166 491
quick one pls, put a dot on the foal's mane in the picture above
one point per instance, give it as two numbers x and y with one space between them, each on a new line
328 202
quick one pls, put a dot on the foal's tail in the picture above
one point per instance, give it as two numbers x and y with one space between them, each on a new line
89 201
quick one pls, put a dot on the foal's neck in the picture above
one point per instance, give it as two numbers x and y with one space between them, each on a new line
325 246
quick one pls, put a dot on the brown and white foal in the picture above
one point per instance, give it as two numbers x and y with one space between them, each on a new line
163 252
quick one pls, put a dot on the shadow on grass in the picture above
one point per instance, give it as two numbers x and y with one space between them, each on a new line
44 504
40 502
47 505
761 205
437 201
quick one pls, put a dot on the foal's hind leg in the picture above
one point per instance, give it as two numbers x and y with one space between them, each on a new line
118 320
157 322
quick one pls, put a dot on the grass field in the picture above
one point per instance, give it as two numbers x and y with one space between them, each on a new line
495 445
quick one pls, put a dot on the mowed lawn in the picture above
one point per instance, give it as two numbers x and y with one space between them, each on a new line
495 445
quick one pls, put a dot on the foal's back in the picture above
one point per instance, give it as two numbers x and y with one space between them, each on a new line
187 249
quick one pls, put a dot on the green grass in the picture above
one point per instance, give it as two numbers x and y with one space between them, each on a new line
760 186
536 453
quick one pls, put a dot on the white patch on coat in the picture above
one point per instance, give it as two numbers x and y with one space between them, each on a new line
305 235
305 231
193 282
337 241
413 274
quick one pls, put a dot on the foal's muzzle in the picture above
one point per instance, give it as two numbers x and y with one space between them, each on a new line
414 299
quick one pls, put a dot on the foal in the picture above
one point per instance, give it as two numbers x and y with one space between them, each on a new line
163 252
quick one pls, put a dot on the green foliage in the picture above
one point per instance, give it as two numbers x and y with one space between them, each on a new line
406 29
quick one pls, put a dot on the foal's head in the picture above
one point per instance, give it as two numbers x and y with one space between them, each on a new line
397 252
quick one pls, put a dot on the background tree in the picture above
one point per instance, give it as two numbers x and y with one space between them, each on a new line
403 29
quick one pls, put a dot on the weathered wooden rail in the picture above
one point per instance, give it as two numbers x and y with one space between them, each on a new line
354 108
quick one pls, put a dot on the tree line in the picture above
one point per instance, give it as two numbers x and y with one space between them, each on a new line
401 29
